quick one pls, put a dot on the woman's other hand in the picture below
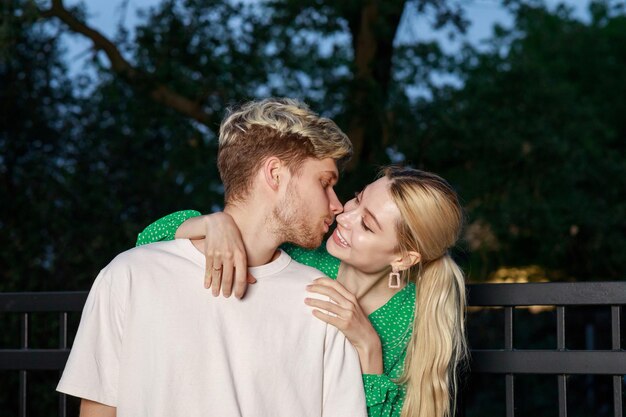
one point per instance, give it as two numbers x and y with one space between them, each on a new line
345 313
226 260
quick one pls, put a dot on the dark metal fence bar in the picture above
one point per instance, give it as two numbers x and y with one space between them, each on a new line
560 345
63 346
616 336
510 395
562 383
508 328
548 293
560 328
571 362
510 378
616 345
617 395
31 302
23 373
33 359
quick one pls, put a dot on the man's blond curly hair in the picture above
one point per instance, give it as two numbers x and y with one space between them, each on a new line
281 127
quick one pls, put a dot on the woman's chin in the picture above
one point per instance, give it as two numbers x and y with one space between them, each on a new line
331 247
334 249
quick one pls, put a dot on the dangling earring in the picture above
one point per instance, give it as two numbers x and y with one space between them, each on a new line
394 278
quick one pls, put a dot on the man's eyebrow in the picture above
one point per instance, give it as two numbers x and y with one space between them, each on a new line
333 175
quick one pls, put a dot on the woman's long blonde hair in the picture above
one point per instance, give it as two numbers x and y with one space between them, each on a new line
431 222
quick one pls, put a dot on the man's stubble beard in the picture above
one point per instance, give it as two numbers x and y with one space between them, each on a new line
291 222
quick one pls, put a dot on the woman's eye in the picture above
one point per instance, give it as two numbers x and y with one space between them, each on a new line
365 226
356 198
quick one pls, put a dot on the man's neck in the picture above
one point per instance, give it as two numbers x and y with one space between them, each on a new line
259 242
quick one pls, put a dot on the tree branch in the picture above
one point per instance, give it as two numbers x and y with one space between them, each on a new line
160 93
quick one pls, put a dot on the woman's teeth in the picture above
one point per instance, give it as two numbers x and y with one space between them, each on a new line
341 239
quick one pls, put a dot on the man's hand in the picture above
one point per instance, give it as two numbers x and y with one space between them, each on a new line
90 408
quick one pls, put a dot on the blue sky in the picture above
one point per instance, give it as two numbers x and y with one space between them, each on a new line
104 15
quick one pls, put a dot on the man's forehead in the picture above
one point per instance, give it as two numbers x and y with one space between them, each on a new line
332 173
326 166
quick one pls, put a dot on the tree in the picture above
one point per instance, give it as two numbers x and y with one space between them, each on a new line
38 108
291 36
533 141
125 152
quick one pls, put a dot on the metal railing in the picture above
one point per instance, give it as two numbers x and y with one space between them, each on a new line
560 362
508 362
25 359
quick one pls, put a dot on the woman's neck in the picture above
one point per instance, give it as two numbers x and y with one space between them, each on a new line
372 290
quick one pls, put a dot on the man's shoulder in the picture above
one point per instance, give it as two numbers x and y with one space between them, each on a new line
302 271
149 253
152 261
150 249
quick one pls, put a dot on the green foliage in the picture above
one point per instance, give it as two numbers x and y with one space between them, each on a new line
534 144
37 117
531 140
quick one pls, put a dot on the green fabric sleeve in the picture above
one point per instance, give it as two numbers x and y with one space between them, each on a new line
317 258
383 397
165 228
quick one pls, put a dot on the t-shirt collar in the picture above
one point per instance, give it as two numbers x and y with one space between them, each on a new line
271 268
268 269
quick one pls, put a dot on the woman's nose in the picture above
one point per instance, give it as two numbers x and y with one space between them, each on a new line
345 219
341 220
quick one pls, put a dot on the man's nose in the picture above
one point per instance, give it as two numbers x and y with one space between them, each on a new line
335 205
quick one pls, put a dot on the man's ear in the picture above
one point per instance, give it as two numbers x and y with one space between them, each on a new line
407 260
272 170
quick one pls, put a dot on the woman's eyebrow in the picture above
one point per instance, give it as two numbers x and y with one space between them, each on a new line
369 213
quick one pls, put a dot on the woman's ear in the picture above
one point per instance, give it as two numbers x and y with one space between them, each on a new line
272 168
407 260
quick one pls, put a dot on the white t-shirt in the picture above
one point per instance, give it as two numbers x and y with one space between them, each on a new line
154 343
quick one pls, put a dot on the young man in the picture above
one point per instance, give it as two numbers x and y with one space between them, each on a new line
151 343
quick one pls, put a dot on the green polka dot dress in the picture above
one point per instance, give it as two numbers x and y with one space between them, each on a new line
393 321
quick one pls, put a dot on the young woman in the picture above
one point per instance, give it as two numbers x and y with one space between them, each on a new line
397 294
